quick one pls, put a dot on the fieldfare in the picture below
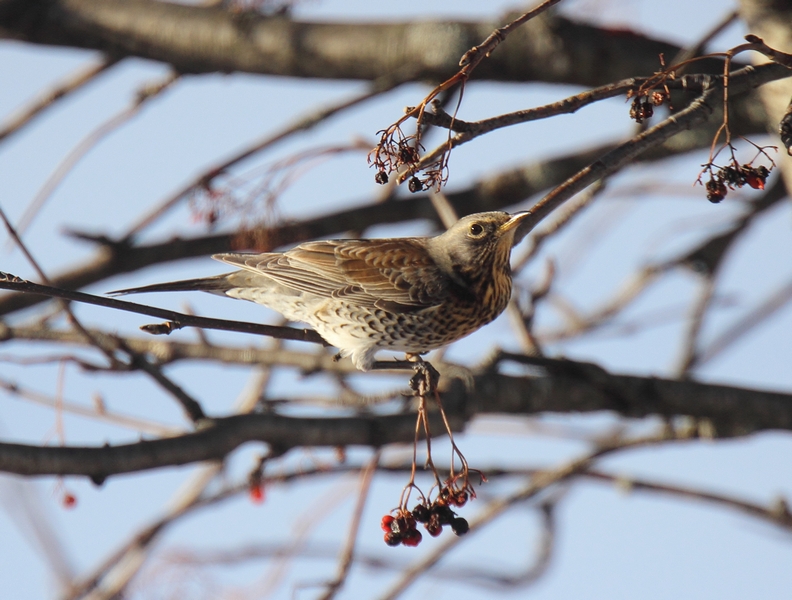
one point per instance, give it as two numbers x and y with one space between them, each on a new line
409 295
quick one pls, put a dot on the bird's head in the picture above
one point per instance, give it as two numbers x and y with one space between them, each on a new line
476 246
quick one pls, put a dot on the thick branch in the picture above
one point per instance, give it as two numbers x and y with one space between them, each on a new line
565 387
197 39
215 441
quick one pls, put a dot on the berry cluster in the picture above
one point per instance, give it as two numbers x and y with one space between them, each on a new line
642 107
392 154
734 176
401 529
399 152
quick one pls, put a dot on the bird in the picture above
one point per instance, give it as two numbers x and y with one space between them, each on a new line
411 295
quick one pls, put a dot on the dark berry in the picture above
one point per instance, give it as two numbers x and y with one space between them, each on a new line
460 526
415 185
393 539
381 177
716 190
421 513
641 109
434 526
412 538
444 514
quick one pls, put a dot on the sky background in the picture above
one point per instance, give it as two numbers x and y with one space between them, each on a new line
610 544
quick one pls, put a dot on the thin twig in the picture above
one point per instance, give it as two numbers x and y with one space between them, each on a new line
302 123
87 144
347 555
60 91
775 302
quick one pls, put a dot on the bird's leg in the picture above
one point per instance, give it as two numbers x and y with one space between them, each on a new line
424 382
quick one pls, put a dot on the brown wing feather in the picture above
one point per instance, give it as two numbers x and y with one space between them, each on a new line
396 275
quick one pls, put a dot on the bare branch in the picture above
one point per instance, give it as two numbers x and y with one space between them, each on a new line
46 100
175 319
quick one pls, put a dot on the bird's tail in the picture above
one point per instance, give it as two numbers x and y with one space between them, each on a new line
217 285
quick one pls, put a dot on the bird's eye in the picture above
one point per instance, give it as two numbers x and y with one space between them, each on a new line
476 229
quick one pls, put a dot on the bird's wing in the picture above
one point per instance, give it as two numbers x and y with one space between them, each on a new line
395 275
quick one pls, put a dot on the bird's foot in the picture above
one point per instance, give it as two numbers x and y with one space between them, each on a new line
426 376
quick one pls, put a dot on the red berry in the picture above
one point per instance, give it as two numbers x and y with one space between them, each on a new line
256 493
434 528
69 500
386 522
754 181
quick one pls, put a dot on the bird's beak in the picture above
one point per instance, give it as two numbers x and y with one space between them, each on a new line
513 222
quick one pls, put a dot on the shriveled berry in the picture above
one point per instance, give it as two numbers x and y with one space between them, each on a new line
461 498
731 176
415 185
460 526
408 154
381 177
658 98
393 539
386 522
